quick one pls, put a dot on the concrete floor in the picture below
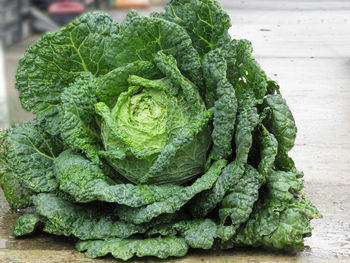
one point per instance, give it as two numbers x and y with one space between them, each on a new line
305 47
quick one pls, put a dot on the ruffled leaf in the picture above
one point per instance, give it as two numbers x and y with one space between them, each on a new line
127 248
173 203
29 153
54 61
86 182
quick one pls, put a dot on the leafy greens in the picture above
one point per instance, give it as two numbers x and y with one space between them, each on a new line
152 137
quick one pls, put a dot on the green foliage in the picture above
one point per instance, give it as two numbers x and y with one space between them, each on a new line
204 20
86 182
158 127
16 195
126 248
140 38
29 153
153 137
83 222
78 126
26 224
220 90
173 203
53 62
281 122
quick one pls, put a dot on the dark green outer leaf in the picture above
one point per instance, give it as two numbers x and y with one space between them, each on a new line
281 221
161 230
83 222
198 233
127 248
57 59
85 182
279 230
238 203
225 107
204 20
244 72
51 229
281 122
268 151
247 120
26 224
205 202
283 188
142 37
78 127
285 163
16 195
168 66
30 153
175 202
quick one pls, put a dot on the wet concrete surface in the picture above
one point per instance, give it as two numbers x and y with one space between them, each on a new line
305 47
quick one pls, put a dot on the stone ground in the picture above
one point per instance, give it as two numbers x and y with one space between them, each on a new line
305 47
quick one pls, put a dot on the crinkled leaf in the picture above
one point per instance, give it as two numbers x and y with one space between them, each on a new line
141 38
86 182
161 230
220 90
175 202
279 230
281 122
238 203
205 202
84 222
268 151
285 163
30 152
283 187
262 223
168 66
247 120
198 233
78 127
307 207
111 85
183 139
51 229
16 195
127 248
26 224
204 20
244 72
53 62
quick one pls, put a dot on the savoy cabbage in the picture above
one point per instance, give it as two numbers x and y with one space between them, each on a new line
152 137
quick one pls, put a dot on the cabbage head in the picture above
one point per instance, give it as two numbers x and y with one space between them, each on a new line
158 130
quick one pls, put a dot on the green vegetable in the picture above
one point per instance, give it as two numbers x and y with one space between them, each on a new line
153 137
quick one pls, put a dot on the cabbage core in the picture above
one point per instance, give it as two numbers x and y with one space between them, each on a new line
142 115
